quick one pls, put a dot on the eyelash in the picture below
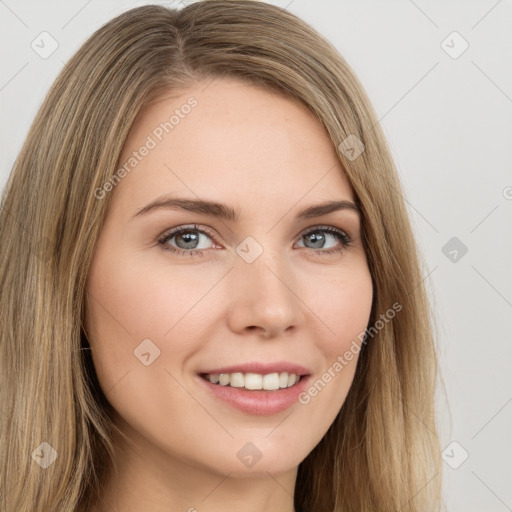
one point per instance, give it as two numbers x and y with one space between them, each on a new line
162 241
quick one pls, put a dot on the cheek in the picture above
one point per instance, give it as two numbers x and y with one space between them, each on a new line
135 315
344 308
130 301
136 300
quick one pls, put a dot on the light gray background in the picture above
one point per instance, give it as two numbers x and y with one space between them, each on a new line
449 124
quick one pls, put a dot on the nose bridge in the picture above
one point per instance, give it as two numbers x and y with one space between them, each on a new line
262 285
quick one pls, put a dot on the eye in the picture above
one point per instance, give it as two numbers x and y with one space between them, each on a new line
317 238
187 240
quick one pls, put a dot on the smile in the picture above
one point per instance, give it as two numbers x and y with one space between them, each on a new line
254 381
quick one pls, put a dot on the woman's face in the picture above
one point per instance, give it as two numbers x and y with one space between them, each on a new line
251 288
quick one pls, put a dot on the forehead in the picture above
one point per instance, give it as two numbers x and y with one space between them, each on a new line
230 140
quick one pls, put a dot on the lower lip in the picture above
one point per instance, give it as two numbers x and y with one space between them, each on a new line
260 402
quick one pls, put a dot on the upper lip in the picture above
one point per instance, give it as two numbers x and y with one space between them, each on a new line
262 368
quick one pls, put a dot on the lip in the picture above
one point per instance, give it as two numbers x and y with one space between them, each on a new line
257 402
262 368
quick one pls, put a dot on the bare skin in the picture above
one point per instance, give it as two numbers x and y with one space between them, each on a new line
268 157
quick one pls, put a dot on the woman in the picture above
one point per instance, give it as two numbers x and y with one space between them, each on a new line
211 294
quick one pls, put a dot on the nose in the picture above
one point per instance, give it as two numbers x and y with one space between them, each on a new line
263 297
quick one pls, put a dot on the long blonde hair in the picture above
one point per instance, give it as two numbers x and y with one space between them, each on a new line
382 451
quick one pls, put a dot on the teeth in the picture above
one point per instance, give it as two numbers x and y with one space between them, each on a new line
237 380
253 381
269 382
224 379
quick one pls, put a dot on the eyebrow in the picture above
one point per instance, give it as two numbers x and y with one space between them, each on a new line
223 211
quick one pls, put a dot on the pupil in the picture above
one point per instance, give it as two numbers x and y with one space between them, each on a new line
189 238
317 240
